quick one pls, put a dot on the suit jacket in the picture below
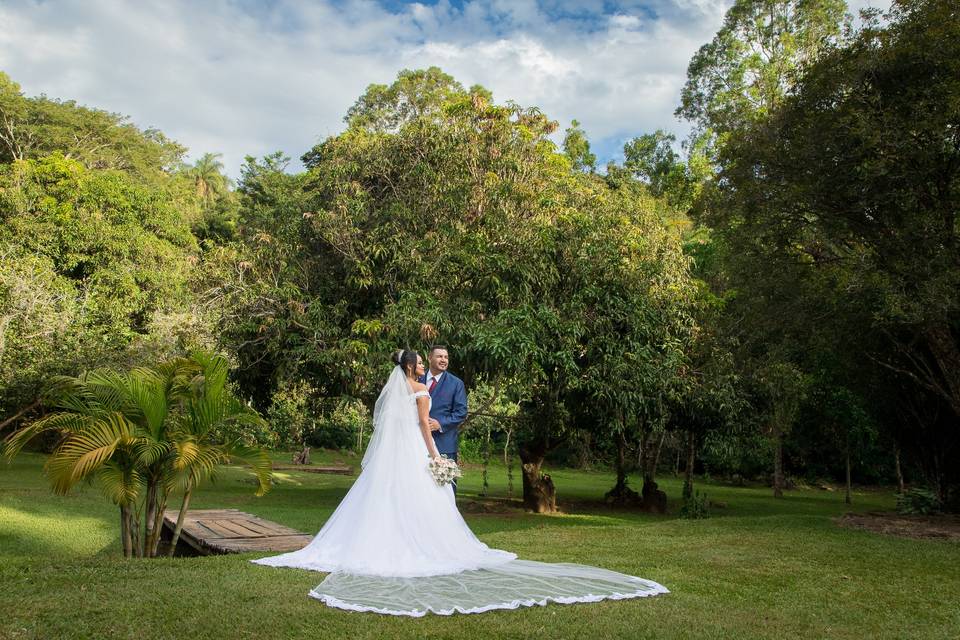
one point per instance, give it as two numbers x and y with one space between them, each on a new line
449 408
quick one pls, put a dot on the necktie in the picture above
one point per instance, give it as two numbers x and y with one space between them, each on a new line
433 383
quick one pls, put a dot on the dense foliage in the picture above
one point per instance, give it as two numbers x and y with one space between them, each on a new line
777 299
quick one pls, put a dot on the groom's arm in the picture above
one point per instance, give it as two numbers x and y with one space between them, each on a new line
458 410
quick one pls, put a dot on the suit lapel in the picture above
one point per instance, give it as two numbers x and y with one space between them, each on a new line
440 383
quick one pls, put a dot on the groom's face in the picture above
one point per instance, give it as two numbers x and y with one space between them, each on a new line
439 360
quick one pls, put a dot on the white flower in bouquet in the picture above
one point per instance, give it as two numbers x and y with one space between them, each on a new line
444 470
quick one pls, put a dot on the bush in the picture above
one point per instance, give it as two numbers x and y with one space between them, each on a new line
292 413
696 507
918 501
342 423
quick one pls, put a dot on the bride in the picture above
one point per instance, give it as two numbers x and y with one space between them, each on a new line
397 544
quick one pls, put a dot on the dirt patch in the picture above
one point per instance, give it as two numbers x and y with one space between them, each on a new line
491 506
894 524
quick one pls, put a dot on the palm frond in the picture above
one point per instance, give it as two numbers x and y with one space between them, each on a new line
148 392
149 451
84 451
71 422
186 453
107 388
258 461
121 486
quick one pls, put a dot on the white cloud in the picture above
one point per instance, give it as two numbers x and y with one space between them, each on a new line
250 78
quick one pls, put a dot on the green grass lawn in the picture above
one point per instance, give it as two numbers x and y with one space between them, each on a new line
760 568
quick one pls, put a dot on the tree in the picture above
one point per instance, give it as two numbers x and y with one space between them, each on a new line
850 190
736 83
414 94
124 429
755 59
90 261
31 128
577 148
13 109
218 203
207 173
456 222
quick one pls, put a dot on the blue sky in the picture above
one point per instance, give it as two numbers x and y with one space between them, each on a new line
249 77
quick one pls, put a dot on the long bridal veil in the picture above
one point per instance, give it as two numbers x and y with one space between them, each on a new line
515 584
397 544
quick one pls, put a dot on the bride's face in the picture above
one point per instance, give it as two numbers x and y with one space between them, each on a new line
420 370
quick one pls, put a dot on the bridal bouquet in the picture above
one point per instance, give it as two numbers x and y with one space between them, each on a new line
444 470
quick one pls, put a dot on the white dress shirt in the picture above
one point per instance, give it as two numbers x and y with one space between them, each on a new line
430 377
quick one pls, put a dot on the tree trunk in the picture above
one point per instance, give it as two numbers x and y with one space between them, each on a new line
149 517
896 462
691 459
943 346
651 455
652 498
19 414
157 527
136 540
621 465
486 463
656 455
126 537
180 518
621 494
508 463
539 494
847 497
778 466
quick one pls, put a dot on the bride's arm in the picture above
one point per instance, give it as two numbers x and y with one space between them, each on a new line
423 409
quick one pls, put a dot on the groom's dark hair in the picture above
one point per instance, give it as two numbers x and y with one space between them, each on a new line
438 346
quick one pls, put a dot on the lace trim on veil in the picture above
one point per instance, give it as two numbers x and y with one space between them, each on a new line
520 583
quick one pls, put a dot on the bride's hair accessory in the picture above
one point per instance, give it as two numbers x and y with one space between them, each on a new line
404 358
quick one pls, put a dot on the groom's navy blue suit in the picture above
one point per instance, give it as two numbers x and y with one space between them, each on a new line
448 406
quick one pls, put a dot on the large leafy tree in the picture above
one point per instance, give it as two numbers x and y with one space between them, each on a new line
755 59
31 128
88 261
852 188
457 222
734 83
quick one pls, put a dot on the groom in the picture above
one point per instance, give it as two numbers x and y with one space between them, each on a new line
448 399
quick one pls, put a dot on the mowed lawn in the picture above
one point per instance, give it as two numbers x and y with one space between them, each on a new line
759 568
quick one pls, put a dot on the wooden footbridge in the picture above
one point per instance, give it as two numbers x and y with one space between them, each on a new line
217 531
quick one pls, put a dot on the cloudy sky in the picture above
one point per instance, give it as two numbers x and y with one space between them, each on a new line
249 77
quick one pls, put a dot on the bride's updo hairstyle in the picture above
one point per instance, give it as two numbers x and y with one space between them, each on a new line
406 360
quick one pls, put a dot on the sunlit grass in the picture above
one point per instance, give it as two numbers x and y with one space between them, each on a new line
759 568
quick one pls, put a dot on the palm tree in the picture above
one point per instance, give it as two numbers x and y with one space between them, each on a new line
209 405
142 435
208 176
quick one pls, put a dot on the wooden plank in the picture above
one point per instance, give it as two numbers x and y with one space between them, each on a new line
192 515
334 469
233 531
239 526
220 530
277 543
264 528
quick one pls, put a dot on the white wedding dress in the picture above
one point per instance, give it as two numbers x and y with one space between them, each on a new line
397 544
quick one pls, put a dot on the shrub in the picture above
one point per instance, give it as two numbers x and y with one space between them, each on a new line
695 507
293 413
342 423
918 501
